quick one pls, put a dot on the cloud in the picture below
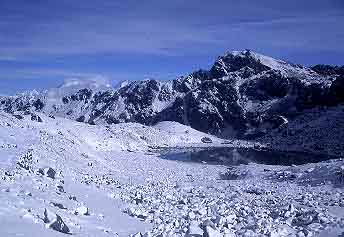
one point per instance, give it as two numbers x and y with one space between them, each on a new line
7 58
164 28
98 80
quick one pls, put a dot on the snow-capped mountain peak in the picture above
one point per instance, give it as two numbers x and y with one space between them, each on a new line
235 60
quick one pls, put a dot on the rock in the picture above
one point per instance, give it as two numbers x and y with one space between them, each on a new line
231 219
255 190
60 188
191 215
309 170
18 116
48 216
291 208
194 230
55 222
279 232
228 233
183 201
249 233
300 234
206 140
304 219
35 117
49 172
219 220
72 198
211 232
147 234
59 205
202 212
82 210
208 223
322 218
314 227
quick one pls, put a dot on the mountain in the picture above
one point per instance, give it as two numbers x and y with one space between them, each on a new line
244 94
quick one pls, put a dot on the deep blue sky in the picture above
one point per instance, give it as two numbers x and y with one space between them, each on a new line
43 42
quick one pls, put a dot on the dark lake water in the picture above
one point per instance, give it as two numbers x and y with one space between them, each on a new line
236 156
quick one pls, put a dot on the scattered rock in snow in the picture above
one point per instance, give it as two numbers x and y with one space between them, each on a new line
59 205
60 188
26 161
55 222
72 198
48 172
82 210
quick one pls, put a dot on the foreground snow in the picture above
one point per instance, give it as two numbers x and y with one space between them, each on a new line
108 181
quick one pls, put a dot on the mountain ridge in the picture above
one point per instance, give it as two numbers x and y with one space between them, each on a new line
243 94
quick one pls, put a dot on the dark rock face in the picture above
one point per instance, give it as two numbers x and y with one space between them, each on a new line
243 91
337 90
328 70
185 84
311 95
234 62
139 99
267 87
212 105
176 112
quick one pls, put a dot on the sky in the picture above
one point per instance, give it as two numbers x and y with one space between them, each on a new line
44 42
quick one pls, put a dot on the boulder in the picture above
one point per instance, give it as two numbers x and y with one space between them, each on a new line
55 222
35 117
194 230
48 171
211 232
206 140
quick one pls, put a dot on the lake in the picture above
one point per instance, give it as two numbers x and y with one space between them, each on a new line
236 156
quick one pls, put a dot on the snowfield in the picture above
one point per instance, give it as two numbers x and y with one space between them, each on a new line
61 177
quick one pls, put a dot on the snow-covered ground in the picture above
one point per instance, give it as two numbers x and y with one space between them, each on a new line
63 176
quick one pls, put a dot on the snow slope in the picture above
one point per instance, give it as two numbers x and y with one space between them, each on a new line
108 182
76 151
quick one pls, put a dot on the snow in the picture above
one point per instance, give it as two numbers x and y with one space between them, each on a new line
285 68
115 175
